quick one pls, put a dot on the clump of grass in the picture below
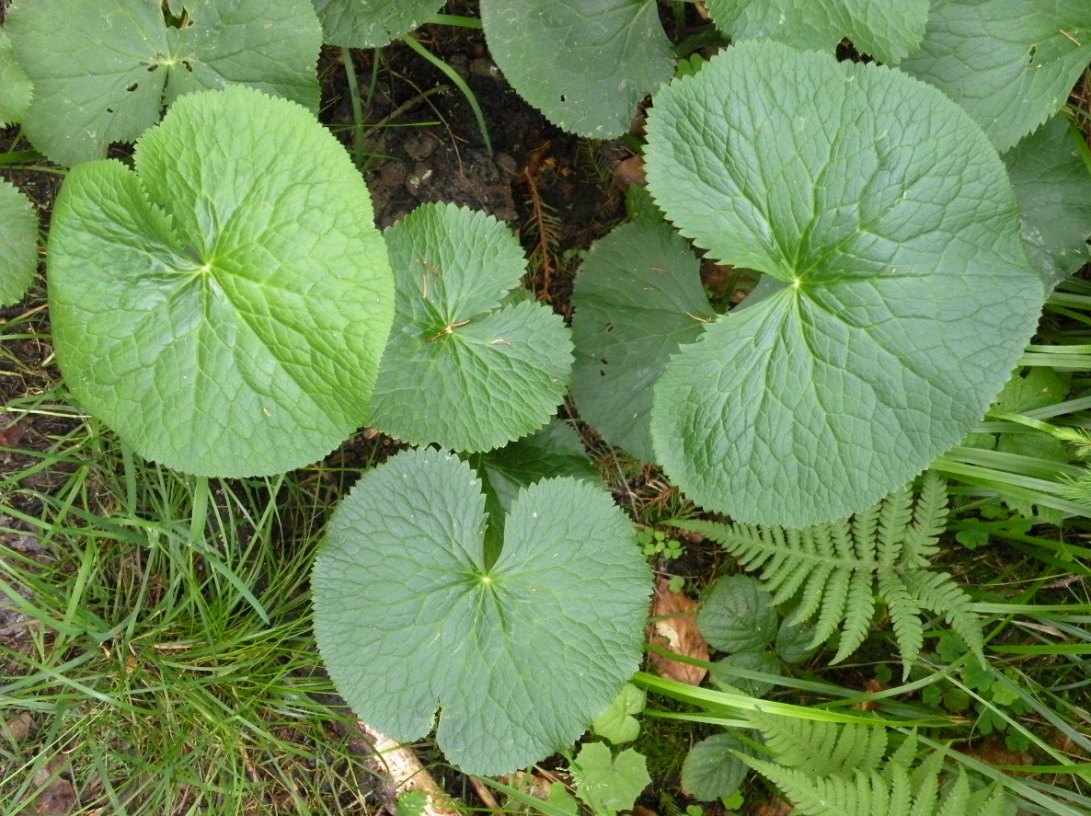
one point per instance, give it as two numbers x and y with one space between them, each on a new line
164 661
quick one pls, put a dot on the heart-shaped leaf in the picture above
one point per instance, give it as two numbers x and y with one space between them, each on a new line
371 23
18 243
585 65
519 655
897 298
638 297
1010 63
887 31
103 71
461 369
224 306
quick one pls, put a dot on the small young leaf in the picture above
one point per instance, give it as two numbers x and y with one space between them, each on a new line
711 769
1010 63
18 243
887 31
461 370
16 89
1052 182
585 65
737 615
903 296
103 71
606 783
224 306
616 723
519 655
637 299
371 23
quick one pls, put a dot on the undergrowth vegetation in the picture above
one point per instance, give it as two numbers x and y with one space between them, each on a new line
774 496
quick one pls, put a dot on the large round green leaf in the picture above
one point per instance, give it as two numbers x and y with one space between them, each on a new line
887 31
903 295
103 71
1010 63
520 655
638 298
462 369
371 23
585 64
224 307
18 243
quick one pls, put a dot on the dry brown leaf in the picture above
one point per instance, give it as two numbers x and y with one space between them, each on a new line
674 627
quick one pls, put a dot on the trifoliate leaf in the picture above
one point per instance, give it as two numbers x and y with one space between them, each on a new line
637 299
18 243
519 655
461 370
585 65
616 723
16 88
1052 182
371 23
737 615
606 783
887 31
711 769
223 306
103 71
1010 63
902 293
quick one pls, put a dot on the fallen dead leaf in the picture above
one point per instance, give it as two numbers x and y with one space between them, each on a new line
674 627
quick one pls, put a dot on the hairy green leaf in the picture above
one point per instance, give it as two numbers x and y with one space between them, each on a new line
1052 180
1010 63
103 71
371 23
638 297
223 306
16 89
737 615
711 769
585 64
899 296
18 243
519 655
887 31
461 369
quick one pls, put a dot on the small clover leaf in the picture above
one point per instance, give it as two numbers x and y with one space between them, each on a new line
223 306
462 370
519 655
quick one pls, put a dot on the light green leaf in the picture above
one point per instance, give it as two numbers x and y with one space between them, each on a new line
737 615
371 23
1052 184
18 243
637 299
224 306
711 769
585 64
103 71
519 655
616 723
461 370
1010 63
887 31
902 293
606 783
16 89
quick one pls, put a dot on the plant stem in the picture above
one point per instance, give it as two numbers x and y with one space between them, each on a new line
357 108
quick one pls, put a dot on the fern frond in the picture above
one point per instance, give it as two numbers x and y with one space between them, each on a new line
890 787
833 570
